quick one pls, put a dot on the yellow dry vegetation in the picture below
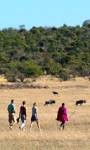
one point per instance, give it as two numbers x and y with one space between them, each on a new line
76 135
3 79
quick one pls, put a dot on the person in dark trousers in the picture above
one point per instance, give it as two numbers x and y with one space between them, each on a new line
62 115
11 113
34 117
22 115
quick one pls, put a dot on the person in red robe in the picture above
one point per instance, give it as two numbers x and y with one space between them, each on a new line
62 115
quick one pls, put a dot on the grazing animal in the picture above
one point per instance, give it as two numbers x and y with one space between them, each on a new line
49 102
55 93
80 102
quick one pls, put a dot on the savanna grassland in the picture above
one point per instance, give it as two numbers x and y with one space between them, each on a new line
76 135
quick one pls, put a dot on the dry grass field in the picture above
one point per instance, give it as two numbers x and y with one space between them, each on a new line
76 135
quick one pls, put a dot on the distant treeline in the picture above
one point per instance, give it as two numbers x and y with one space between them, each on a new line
63 52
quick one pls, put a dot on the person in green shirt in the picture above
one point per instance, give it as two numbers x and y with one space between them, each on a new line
11 113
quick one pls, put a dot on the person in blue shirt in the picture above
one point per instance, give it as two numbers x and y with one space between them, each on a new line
34 117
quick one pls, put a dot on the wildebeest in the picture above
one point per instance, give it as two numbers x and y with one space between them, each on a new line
50 102
55 93
80 102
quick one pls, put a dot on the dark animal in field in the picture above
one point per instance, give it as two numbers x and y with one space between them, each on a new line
55 93
50 102
80 102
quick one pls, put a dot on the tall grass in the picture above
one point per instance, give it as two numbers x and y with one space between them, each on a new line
76 135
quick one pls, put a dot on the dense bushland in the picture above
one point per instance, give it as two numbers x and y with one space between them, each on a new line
63 52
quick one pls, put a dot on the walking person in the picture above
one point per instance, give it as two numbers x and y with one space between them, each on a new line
22 115
62 115
11 113
34 117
